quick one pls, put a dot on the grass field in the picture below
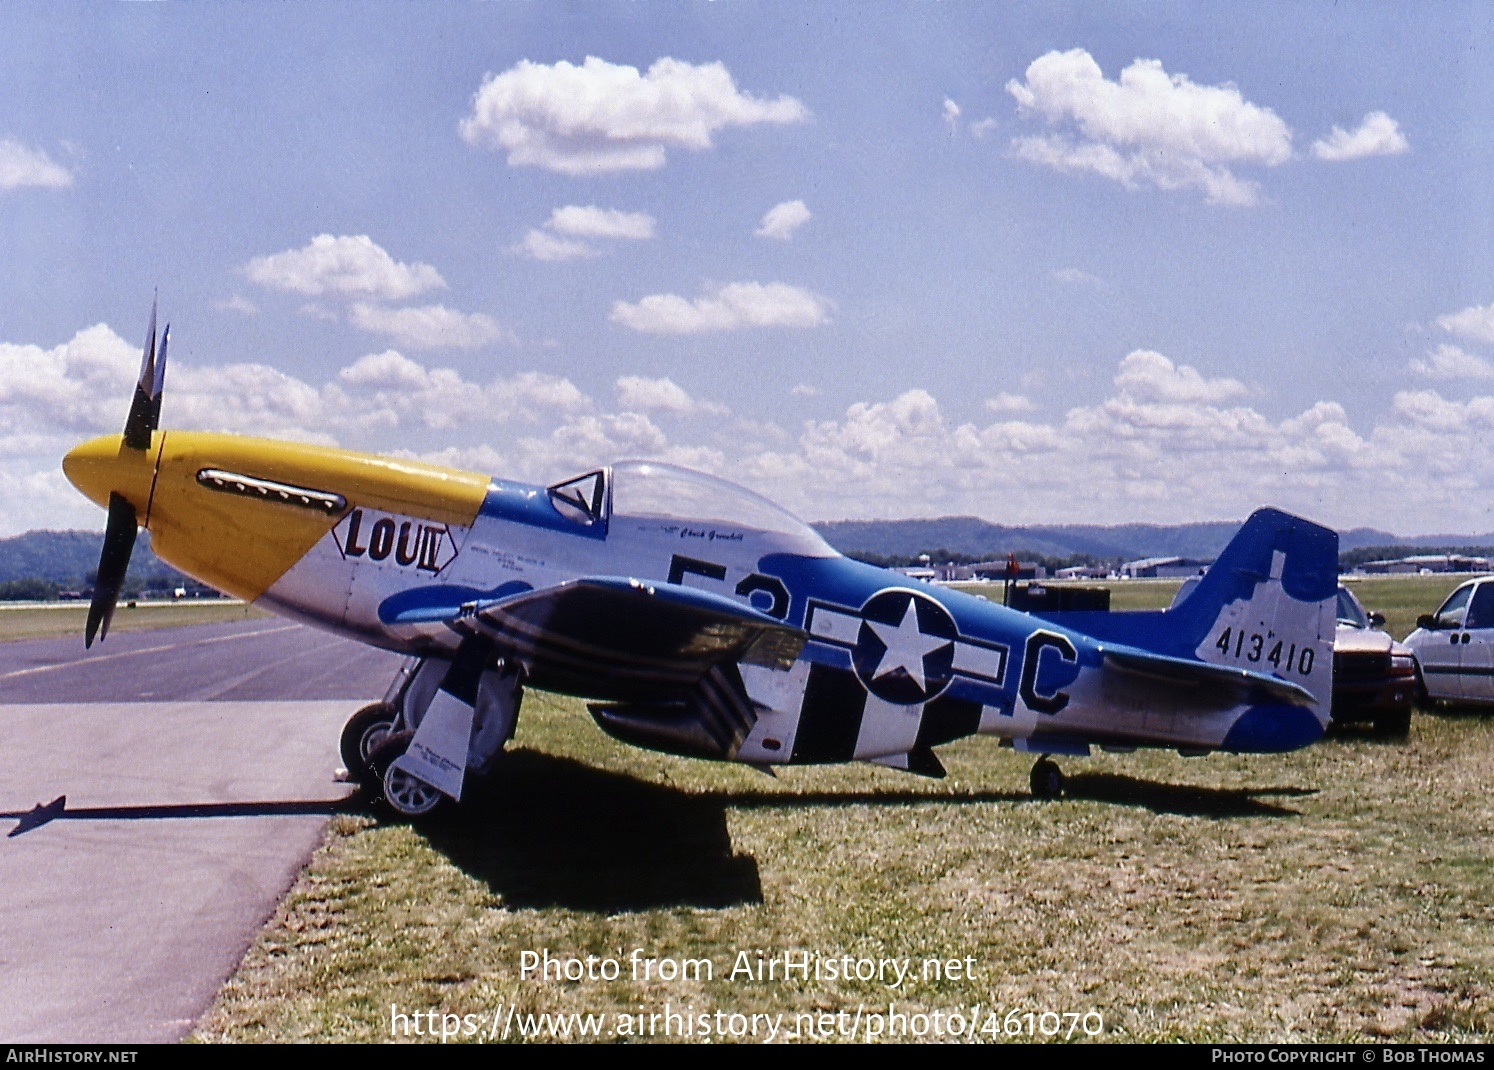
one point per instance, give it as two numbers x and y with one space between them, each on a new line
1343 892
46 621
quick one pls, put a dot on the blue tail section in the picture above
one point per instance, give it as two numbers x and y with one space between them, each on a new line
1265 606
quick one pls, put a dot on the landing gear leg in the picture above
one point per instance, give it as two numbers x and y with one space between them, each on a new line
1046 779
451 719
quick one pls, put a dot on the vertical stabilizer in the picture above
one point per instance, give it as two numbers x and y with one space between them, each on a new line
1267 604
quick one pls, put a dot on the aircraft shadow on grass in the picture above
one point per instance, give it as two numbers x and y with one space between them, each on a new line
551 831
554 832
57 810
1182 800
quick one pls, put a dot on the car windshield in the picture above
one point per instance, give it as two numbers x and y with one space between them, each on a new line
1350 612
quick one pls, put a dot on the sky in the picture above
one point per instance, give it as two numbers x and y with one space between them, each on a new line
1037 263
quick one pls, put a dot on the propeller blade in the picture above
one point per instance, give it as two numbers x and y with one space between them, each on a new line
159 383
145 409
114 561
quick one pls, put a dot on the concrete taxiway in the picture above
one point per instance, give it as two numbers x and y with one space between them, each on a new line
188 814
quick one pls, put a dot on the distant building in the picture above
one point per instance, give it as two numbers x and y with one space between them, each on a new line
1159 568
991 571
996 570
1418 563
1083 572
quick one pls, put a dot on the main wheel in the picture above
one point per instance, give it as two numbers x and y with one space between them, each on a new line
1046 780
399 792
364 731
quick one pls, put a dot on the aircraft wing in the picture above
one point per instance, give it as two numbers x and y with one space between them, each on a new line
624 639
1181 672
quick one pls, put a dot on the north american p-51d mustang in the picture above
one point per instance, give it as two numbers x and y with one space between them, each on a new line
695 616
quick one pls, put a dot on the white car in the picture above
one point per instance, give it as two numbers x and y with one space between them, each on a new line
1454 647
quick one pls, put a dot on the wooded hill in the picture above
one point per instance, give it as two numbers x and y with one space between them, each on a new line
39 564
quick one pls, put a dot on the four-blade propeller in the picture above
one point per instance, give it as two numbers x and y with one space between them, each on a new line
119 535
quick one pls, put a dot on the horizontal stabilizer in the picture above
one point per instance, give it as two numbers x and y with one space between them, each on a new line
1251 686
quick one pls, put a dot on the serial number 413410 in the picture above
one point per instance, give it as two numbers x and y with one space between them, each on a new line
1252 647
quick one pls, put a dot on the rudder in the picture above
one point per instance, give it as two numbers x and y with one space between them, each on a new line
1268 604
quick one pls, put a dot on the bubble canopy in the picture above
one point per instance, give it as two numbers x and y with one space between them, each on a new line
650 490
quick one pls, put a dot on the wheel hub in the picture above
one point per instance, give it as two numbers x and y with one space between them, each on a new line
409 794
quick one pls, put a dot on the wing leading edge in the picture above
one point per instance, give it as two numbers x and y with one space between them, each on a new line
620 639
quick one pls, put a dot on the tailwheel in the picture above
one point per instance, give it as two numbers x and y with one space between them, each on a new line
1046 779
364 731
399 792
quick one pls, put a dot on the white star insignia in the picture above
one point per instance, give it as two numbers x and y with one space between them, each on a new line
906 647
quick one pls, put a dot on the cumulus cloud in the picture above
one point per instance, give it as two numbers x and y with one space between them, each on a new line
601 117
1450 362
589 221
429 326
391 389
1163 447
389 370
1006 404
732 307
1377 135
343 266
1147 128
541 245
592 440
83 385
1167 443
951 116
638 394
782 220
240 304
249 399
1476 322
1428 410
21 168
805 390
1148 376
576 222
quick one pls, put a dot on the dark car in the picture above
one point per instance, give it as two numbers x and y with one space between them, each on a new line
1374 677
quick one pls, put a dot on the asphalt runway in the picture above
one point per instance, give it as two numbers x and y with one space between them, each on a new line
261 660
197 765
